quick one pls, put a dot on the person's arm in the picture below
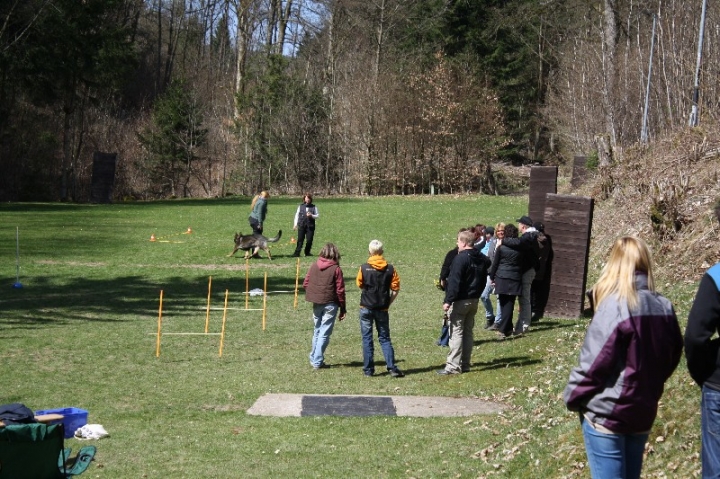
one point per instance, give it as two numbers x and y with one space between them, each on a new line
295 221
394 286
453 281
495 264
703 321
340 292
315 213
359 278
521 243
604 344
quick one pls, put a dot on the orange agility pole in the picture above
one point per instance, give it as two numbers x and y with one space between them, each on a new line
297 281
264 308
222 331
157 345
207 311
247 282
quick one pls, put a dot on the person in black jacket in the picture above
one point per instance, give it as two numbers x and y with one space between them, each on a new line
506 275
304 223
703 361
380 285
465 283
444 339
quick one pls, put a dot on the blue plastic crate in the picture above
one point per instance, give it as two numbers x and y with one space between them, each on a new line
73 418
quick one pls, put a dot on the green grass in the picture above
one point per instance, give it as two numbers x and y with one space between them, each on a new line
81 332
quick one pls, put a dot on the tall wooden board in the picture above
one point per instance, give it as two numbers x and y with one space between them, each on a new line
543 180
568 221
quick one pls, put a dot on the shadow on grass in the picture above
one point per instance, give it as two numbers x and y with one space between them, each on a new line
58 301
510 362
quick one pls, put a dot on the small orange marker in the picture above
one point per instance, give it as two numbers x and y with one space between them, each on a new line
292 239
189 231
152 237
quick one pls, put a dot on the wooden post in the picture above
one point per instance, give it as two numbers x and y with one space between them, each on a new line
157 345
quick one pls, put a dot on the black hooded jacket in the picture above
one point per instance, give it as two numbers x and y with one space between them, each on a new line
468 274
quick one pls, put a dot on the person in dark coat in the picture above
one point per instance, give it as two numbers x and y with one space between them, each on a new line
702 350
506 275
540 289
304 223
465 284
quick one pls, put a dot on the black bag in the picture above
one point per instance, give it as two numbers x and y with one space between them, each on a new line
16 413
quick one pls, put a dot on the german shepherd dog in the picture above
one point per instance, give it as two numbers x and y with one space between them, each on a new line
254 243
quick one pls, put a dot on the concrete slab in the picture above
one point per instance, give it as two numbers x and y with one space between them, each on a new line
296 405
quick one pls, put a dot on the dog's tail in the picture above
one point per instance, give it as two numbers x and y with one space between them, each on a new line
275 239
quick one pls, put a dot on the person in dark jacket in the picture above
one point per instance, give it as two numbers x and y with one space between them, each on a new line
540 289
506 276
465 284
304 223
702 352
528 246
632 346
325 289
380 285
444 339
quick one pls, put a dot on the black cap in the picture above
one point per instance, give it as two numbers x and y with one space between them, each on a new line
489 230
525 220
539 226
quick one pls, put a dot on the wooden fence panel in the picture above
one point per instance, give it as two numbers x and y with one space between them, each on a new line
580 171
103 177
568 222
543 180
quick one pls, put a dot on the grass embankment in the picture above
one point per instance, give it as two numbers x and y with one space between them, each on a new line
81 333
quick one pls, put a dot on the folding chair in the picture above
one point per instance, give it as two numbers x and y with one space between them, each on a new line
36 451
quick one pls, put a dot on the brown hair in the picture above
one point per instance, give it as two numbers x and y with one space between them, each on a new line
309 195
330 251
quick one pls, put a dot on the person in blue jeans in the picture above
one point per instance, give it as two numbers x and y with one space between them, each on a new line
702 352
325 288
379 284
632 346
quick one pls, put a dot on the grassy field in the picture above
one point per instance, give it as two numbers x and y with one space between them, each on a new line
81 333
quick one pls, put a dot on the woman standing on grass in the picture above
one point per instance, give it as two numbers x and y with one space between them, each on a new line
325 289
506 277
258 212
632 346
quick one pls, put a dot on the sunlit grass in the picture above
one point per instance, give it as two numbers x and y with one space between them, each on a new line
81 332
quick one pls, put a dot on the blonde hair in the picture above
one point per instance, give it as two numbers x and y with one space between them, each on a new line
628 255
263 193
375 247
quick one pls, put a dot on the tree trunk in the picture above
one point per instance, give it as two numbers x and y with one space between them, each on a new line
610 33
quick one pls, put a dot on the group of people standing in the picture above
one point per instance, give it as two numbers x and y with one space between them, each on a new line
519 267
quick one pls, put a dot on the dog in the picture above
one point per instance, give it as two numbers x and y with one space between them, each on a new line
254 243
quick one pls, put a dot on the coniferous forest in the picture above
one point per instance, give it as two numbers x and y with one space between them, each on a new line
206 98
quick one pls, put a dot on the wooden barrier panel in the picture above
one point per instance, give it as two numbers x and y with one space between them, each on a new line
579 171
103 177
568 222
543 180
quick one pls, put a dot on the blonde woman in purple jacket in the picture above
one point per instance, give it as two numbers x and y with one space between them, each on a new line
632 346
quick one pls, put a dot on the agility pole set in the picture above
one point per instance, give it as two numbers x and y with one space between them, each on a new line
225 308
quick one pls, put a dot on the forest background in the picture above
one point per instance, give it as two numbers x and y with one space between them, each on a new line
207 98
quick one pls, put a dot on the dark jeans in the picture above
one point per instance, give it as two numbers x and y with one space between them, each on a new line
710 432
507 307
255 225
303 234
382 324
